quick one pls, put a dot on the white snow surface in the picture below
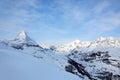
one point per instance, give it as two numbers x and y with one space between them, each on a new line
15 65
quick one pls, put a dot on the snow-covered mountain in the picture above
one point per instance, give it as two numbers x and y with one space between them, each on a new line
100 64
77 44
23 43
22 40
97 60
71 46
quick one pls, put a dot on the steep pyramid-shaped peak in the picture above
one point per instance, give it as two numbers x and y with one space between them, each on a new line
22 41
23 38
22 35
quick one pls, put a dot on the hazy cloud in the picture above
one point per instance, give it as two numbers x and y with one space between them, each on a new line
100 7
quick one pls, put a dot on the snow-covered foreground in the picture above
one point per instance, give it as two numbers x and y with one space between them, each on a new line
18 66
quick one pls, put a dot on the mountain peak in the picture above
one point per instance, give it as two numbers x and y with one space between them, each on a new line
75 42
23 38
100 42
22 35
106 39
101 39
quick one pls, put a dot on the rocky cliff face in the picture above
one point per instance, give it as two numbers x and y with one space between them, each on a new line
95 65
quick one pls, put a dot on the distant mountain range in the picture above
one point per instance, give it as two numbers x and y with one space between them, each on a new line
100 42
97 60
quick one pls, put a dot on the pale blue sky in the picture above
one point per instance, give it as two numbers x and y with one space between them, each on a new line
52 21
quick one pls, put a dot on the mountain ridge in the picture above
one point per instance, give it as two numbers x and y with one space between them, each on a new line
108 42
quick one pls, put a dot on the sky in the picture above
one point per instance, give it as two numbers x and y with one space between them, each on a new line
59 21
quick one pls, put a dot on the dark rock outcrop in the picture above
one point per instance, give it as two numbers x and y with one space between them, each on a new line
79 67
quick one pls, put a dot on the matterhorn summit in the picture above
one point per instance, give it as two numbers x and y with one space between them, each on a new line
22 35
22 40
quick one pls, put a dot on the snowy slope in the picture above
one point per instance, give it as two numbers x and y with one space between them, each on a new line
17 66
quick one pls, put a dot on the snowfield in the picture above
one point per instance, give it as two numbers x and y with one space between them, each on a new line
18 66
